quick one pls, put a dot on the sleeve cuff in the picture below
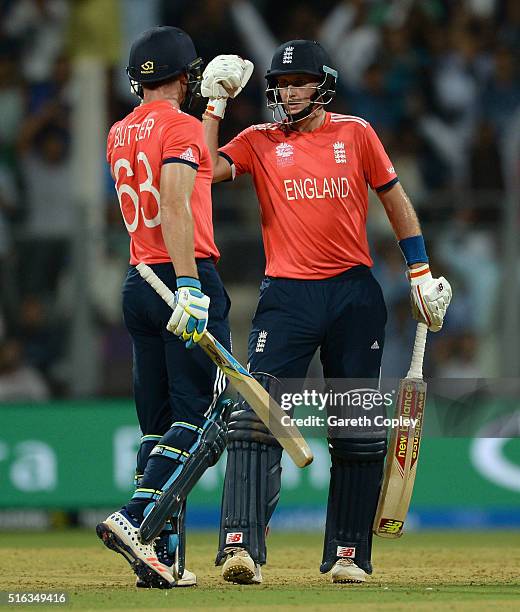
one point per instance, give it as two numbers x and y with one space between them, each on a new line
180 160
387 185
231 163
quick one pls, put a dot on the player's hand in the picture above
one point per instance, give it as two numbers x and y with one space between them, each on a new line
430 296
224 77
190 313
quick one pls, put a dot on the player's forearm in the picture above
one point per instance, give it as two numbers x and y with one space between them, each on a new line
211 128
177 231
400 212
221 168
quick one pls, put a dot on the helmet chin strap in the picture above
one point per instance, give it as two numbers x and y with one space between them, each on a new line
303 114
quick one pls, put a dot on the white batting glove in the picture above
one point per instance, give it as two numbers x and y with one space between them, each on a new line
190 311
224 77
430 296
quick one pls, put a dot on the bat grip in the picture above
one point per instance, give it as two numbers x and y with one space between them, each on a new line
416 365
156 283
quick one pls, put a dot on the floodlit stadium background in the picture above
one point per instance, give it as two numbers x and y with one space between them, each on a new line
440 83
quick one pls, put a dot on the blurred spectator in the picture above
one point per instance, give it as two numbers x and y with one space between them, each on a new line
12 103
42 336
19 382
39 25
44 147
372 101
485 164
502 96
456 357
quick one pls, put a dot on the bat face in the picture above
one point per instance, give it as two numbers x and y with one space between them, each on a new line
401 463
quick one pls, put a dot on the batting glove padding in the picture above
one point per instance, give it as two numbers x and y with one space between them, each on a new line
190 313
430 297
224 77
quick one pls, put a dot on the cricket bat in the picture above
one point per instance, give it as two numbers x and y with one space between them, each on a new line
403 451
266 408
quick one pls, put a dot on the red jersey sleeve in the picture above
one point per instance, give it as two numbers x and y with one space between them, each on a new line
238 152
110 143
379 170
183 141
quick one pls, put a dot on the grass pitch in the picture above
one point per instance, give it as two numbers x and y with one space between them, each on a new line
424 571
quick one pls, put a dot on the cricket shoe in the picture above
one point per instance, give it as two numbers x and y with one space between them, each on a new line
188 579
120 533
345 571
161 550
240 568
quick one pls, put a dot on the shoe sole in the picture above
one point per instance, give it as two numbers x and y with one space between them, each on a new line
142 571
347 581
141 584
239 575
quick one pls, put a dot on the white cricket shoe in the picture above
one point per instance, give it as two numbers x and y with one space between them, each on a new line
345 570
240 568
188 579
120 532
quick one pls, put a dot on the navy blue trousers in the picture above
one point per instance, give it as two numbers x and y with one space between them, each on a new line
174 388
344 316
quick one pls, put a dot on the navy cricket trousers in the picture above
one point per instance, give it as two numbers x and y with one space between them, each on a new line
172 383
344 316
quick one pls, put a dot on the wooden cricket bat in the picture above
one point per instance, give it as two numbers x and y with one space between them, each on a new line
403 451
266 408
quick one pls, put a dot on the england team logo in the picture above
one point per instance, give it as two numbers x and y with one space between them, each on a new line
287 55
284 154
340 157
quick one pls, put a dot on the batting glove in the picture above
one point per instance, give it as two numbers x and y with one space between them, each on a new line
190 312
224 77
430 296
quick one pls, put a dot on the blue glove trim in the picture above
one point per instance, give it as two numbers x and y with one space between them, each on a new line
414 250
188 281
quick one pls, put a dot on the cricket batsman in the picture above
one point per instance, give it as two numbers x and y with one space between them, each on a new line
311 170
163 171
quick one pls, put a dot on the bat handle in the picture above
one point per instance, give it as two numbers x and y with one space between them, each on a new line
416 365
150 277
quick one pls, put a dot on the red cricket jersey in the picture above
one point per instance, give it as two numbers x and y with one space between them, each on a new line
313 192
154 134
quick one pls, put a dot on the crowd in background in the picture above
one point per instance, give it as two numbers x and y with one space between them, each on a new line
439 80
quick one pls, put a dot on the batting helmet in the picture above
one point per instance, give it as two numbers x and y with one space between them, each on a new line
163 52
301 57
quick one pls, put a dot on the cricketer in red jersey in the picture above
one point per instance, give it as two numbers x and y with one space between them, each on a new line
311 171
163 171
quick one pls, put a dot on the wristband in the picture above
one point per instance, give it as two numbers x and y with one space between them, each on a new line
414 249
188 281
216 107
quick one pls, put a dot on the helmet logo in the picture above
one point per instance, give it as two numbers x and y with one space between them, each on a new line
287 55
147 67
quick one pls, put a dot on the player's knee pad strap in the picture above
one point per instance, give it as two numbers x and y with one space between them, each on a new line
355 482
252 483
146 446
